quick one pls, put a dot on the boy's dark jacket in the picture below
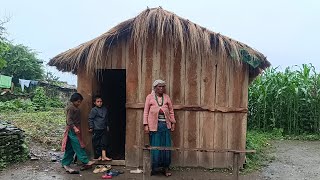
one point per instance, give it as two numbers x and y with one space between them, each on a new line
98 118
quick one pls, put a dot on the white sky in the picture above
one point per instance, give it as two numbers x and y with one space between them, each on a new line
286 31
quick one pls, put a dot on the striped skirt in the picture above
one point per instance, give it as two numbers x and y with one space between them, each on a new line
161 137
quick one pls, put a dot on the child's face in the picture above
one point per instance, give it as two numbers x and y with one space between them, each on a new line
98 102
77 103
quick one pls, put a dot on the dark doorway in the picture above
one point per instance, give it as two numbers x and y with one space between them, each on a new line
113 91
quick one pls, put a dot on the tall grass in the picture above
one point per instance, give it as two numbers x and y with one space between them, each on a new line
288 100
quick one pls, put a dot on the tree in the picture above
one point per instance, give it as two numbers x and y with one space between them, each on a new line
3 49
3 45
21 62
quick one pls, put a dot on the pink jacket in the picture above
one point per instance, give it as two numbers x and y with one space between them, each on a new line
151 111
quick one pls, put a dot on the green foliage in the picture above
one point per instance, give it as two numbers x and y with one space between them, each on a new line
17 105
39 102
43 102
44 127
288 100
40 99
4 48
259 141
21 62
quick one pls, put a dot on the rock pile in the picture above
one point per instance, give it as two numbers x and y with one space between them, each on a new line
12 144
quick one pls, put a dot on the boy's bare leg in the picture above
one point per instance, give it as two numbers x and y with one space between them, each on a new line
104 156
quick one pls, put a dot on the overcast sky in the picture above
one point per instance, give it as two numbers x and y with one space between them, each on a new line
286 31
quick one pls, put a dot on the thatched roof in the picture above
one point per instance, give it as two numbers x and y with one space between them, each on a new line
162 25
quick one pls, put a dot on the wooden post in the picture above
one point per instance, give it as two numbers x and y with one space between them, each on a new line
235 173
146 158
146 164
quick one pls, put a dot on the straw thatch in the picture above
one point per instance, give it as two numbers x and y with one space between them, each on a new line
163 26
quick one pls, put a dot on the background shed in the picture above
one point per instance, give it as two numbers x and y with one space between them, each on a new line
207 77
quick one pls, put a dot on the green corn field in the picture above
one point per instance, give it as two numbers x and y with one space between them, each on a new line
287 100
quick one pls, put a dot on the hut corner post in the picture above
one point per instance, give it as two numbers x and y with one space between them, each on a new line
85 88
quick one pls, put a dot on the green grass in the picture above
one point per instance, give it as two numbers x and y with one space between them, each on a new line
260 141
44 127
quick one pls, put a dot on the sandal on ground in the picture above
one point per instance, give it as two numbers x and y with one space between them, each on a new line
97 169
105 168
85 167
166 172
106 176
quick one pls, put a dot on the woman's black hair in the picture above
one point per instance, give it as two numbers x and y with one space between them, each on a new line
75 97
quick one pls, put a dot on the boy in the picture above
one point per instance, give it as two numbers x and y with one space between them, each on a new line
72 142
98 124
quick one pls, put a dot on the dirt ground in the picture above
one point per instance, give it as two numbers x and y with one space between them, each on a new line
294 160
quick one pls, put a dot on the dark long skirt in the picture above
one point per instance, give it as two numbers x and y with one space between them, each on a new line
100 142
161 137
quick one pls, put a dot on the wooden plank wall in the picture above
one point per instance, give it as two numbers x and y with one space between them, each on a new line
213 82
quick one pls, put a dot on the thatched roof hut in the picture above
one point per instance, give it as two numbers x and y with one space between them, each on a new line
207 75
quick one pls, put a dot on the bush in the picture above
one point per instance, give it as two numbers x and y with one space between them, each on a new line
39 102
259 141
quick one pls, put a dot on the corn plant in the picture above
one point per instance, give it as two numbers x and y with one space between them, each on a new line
287 100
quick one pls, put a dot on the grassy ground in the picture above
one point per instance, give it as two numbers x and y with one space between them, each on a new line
44 127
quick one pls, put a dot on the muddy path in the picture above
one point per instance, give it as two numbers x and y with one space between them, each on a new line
293 160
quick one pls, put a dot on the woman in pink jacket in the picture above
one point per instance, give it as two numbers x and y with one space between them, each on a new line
158 121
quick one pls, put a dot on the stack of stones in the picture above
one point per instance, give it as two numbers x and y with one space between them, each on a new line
12 144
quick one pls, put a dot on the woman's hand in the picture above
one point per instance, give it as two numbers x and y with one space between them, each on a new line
76 130
90 130
173 126
146 129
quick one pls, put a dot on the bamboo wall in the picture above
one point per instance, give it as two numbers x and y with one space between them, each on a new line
209 96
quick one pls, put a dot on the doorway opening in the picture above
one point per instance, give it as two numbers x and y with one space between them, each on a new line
112 85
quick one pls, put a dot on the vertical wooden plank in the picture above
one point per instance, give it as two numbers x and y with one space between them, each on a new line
147 66
231 124
177 139
207 118
230 117
132 153
156 59
178 76
220 140
125 49
85 82
221 83
141 99
176 91
116 55
119 63
221 98
192 97
206 139
244 103
165 60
